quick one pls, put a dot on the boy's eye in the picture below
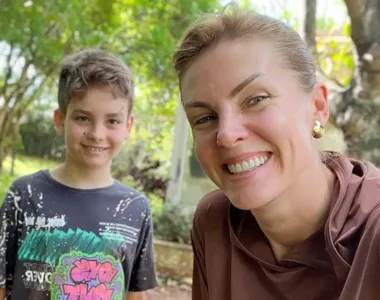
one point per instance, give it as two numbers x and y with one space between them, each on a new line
113 122
82 119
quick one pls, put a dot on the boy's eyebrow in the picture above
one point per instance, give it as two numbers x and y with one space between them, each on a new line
82 111
86 112
113 115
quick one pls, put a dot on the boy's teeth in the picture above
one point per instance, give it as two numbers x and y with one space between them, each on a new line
247 165
94 149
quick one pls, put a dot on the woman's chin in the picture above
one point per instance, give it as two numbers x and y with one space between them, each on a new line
254 204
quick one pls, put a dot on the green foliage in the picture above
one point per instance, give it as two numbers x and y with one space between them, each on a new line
336 60
143 33
347 30
325 23
173 224
129 181
24 165
35 36
5 182
151 35
289 19
40 139
49 29
156 202
335 54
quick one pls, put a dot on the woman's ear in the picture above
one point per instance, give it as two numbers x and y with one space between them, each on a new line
320 103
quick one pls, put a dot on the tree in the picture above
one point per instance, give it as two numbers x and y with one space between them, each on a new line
309 25
153 31
356 109
354 100
144 33
35 35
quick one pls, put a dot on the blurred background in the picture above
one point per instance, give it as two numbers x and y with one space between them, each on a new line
35 35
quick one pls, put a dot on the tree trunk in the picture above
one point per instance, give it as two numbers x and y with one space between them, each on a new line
356 110
309 25
2 157
4 129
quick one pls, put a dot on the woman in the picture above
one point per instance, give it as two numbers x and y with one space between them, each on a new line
287 222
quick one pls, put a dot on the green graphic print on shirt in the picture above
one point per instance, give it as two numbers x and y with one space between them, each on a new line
76 274
58 242
46 246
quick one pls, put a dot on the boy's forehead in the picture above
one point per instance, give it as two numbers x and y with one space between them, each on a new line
99 105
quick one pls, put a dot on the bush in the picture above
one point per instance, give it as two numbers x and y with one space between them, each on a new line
132 164
173 223
40 139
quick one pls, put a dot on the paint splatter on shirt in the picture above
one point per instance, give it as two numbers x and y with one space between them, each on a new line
58 242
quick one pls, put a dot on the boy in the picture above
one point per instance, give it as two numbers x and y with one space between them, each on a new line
74 232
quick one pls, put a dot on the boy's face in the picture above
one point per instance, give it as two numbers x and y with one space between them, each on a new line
95 128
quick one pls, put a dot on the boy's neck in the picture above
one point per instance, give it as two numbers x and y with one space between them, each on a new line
80 177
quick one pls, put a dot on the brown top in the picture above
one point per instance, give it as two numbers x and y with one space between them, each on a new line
233 259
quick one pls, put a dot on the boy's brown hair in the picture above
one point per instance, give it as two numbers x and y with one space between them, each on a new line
94 67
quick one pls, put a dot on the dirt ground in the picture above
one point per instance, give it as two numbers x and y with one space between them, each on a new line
171 293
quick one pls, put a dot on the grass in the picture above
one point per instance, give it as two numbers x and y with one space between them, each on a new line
24 165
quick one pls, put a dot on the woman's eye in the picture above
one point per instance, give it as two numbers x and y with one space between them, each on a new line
204 120
257 99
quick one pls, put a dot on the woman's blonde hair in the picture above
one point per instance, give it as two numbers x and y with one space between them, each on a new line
210 30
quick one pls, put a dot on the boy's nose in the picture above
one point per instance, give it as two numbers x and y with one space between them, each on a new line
96 133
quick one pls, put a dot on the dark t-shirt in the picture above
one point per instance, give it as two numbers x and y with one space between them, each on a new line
58 242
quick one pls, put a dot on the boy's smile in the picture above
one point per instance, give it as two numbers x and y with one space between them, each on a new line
94 149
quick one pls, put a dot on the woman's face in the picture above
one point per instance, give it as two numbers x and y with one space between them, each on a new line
251 121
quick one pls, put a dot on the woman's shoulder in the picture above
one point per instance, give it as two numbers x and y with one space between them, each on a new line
215 200
213 205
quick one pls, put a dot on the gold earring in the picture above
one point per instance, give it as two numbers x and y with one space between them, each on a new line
318 130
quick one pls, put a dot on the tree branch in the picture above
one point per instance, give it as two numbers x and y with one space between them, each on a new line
23 105
355 8
14 115
21 85
365 23
9 70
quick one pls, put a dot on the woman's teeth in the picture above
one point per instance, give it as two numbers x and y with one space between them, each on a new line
247 165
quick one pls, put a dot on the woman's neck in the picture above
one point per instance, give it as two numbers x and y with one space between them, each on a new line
300 212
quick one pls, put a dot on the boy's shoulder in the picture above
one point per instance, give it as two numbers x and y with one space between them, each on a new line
126 188
26 181
130 194
41 182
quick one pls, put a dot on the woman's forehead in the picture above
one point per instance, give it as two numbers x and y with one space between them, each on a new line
230 64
